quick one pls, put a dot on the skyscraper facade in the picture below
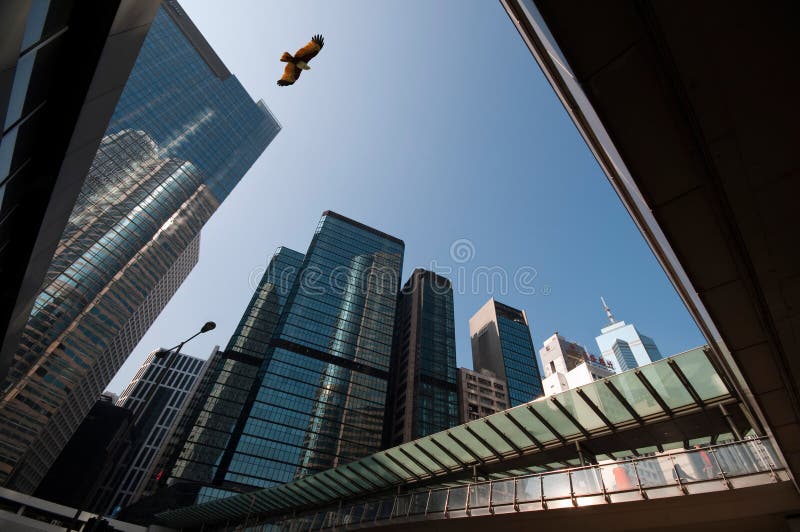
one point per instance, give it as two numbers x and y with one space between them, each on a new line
502 343
422 387
321 397
155 412
568 365
182 136
480 393
195 454
624 345
320 354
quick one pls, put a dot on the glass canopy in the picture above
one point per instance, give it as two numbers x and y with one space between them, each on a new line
678 385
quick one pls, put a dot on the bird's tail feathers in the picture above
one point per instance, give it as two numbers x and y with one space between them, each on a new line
286 57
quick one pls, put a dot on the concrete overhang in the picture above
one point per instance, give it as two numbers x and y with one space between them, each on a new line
690 109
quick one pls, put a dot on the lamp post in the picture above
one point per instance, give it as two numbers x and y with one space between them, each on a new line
160 354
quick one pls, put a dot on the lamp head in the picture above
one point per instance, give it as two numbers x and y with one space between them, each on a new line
209 326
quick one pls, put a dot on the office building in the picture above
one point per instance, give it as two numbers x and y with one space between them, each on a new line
182 136
226 393
480 393
61 67
502 343
422 384
320 354
155 407
102 439
568 365
624 345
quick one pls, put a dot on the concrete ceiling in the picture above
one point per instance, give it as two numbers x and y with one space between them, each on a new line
691 108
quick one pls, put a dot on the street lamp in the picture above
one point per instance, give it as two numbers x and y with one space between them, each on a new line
160 354
164 353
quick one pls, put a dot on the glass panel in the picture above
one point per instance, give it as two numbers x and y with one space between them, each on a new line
355 515
401 504
511 432
438 453
454 448
418 502
532 425
557 420
479 495
370 511
619 476
366 473
700 373
492 438
394 468
437 500
529 489
556 485
739 460
608 404
576 406
471 442
457 499
667 384
385 509
586 482
654 472
631 388
503 492
420 457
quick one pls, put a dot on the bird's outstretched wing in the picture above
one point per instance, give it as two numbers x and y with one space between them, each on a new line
309 51
290 75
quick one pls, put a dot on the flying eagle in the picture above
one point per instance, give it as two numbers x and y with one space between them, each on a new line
295 65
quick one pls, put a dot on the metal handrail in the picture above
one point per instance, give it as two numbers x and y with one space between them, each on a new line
755 451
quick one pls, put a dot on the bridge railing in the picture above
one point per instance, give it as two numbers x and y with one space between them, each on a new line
673 473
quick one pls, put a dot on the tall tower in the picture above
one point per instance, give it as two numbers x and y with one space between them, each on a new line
502 343
321 366
182 136
624 345
422 391
219 408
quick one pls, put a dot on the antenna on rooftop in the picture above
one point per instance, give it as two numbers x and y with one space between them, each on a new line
608 310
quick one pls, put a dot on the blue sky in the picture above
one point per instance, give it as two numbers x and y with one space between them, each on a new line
431 121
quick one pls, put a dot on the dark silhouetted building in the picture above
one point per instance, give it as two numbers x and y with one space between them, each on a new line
422 388
98 444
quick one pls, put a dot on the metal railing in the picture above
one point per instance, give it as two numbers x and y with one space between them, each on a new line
702 469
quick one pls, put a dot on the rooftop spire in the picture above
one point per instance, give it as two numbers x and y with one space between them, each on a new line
608 310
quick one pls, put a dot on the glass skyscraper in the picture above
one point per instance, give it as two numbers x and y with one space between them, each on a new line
624 345
423 394
502 343
182 136
211 423
321 361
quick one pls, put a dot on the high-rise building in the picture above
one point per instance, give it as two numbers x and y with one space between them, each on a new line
422 385
502 343
624 345
480 393
568 365
320 354
102 439
182 136
156 395
61 67
226 393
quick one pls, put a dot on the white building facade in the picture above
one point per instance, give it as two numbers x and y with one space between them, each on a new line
568 365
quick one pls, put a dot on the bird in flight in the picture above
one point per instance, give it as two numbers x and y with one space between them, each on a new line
295 65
